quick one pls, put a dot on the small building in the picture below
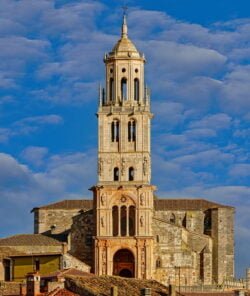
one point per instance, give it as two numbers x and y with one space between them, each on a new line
25 253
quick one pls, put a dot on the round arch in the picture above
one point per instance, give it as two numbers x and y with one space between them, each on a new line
124 263
120 199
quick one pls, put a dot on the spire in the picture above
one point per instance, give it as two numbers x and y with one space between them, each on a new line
124 24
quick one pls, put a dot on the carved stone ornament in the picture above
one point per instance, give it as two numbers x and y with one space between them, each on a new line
145 166
104 261
142 199
100 165
123 198
123 166
103 199
142 221
102 221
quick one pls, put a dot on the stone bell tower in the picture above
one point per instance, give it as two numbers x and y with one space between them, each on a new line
123 197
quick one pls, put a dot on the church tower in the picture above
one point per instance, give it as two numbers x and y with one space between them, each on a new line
123 197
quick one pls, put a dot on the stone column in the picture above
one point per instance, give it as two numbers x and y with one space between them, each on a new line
119 221
172 291
127 222
114 291
248 278
146 292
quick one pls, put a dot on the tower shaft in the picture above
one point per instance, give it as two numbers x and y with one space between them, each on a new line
123 197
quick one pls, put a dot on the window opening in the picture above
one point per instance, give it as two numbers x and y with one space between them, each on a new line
37 265
115 131
172 219
131 174
136 89
158 263
132 131
124 89
116 174
115 220
131 221
123 221
111 89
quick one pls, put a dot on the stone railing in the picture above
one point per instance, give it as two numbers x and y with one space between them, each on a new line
228 284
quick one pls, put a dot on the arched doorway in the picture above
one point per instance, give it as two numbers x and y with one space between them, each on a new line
124 263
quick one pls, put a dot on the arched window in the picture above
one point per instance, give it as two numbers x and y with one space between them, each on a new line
172 219
184 221
208 222
202 265
157 238
131 131
136 89
115 131
131 220
131 174
124 88
116 174
158 263
123 221
115 220
111 89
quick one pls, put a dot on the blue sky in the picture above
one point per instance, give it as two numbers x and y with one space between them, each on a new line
198 69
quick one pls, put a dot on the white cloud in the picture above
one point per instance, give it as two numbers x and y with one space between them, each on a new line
27 125
175 60
214 122
44 119
34 155
236 90
240 170
21 189
212 157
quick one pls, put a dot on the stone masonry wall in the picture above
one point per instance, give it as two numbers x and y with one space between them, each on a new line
223 247
184 252
82 231
70 261
193 220
176 262
59 220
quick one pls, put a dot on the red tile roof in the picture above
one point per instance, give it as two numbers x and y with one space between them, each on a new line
66 272
207 294
29 240
185 204
70 204
61 292
159 204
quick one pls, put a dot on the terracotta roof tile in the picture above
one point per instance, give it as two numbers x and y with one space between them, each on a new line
126 286
185 204
160 204
61 292
207 294
69 204
66 272
29 240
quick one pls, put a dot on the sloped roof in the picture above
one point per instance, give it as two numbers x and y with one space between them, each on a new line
101 285
185 204
161 204
69 204
29 240
61 292
66 272
125 45
229 293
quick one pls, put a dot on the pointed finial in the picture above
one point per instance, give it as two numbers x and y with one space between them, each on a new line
124 23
